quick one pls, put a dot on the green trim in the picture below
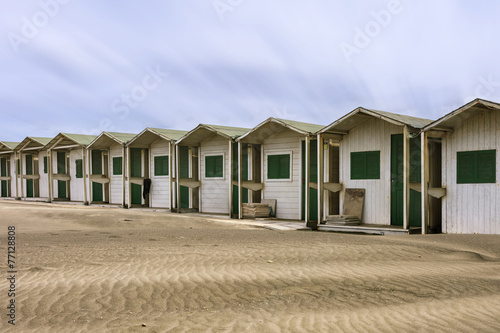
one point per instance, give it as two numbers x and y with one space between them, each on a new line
476 167
365 165
278 166
79 168
214 166
45 164
117 166
161 165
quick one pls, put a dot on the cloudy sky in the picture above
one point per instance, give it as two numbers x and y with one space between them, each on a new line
88 66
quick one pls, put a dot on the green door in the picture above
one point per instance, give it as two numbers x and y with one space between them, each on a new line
313 178
397 181
3 173
184 173
61 189
244 175
29 172
136 171
97 188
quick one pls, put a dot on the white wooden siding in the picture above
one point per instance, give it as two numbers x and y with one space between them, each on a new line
471 208
44 177
215 192
116 181
76 184
159 197
13 178
373 134
286 192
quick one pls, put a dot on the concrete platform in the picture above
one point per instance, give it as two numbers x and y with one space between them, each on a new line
372 229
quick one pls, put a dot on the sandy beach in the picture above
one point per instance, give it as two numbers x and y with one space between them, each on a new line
93 269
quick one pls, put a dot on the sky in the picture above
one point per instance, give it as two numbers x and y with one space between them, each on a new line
89 66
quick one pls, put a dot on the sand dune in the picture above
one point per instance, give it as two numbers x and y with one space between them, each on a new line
87 269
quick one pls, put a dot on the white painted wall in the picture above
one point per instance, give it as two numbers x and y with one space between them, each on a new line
159 196
471 208
44 177
14 180
373 134
76 184
116 181
286 192
215 192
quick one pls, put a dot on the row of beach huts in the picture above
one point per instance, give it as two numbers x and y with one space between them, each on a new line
440 176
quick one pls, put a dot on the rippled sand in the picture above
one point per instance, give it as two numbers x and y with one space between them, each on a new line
88 269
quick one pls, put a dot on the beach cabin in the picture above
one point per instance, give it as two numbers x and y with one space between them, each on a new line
33 160
283 155
68 165
8 171
150 155
378 152
207 169
107 171
461 170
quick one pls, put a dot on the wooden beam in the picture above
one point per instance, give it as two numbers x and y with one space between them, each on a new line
424 181
31 177
406 177
21 175
190 182
65 147
101 179
437 192
177 175
333 187
129 173
170 175
6 178
230 180
307 160
61 176
124 161
320 177
84 178
248 184
331 136
240 200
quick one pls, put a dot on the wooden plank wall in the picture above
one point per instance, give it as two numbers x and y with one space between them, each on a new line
214 192
160 186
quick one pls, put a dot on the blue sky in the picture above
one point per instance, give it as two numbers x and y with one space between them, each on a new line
87 66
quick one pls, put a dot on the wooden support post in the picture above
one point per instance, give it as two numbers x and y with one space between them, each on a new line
49 174
406 177
424 181
200 197
307 160
240 168
129 174
21 172
124 160
170 175
320 177
16 162
230 180
85 201
178 177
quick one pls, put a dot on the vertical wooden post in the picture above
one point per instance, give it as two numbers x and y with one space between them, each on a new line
170 175
424 179
16 162
200 197
240 168
307 160
84 171
21 172
129 173
49 175
178 178
124 170
406 177
320 177
230 173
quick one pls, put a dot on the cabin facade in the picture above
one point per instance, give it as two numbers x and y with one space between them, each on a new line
68 165
207 169
150 172
108 168
9 186
284 165
379 152
463 188
33 177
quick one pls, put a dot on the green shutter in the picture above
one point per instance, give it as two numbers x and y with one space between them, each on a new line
29 164
4 188
61 162
18 166
184 161
96 162
466 164
45 164
486 166
373 165
3 167
135 162
415 158
358 165
29 188
79 168
278 166
117 166
161 165
61 189
214 166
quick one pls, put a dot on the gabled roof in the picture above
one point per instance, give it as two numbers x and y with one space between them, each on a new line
456 117
33 143
106 139
68 139
272 125
7 147
358 116
203 132
150 135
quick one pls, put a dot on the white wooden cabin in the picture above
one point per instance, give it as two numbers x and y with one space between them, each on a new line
68 167
9 187
34 175
207 169
376 151
461 170
150 155
108 168
284 164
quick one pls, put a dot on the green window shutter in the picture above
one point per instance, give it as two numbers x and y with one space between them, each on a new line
214 166
135 162
466 162
18 166
358 165
486 166
96 162
278 166
415 160
161 165
117 166
79 168
184 161
373 165
61 162
3 167
45 166
29 164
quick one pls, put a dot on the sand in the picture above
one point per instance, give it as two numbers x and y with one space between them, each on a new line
92 269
